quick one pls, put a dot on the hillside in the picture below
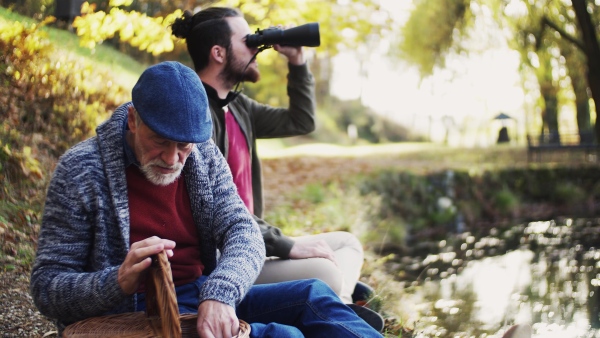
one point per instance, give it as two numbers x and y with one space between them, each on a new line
126 70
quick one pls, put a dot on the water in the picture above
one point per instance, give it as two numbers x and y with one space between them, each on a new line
546 274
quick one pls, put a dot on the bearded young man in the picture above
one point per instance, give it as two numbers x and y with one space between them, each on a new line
216 42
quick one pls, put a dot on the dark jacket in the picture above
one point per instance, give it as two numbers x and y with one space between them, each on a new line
258 120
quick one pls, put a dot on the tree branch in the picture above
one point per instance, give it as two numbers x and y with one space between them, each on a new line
563 33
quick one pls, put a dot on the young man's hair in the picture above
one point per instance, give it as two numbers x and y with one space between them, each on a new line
204 30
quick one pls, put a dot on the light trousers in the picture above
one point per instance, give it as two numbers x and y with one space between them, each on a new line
341 277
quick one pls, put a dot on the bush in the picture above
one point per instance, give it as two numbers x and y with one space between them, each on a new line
506 201
414 201
568 193
49 100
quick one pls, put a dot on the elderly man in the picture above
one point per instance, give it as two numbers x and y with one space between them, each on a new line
153 180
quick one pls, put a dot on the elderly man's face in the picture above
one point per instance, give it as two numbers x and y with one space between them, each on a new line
161 160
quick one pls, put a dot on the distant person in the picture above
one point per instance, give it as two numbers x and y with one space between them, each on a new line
503 135
152 180
215 40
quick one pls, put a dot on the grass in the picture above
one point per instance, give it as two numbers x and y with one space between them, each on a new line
418 155
270 149
126 69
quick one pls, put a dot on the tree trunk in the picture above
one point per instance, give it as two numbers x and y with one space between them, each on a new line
321 69
592 53
582 104
549 132
549 94
575 63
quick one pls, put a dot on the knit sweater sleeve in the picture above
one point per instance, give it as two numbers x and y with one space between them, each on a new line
64 285
237 236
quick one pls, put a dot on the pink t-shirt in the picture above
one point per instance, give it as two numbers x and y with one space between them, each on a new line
238 159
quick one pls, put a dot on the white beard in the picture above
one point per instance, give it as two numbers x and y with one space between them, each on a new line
161 179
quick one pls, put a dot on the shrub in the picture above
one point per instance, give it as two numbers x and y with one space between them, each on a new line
568 193
506 201
49 100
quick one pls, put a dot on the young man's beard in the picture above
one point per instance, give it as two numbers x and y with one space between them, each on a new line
235 71
158 178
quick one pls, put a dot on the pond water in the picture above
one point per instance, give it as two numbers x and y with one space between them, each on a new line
546 274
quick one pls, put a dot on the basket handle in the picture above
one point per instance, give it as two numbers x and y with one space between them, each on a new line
161 300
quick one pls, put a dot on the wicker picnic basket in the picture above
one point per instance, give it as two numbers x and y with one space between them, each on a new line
161 319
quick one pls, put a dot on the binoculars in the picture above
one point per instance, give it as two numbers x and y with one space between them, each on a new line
304 35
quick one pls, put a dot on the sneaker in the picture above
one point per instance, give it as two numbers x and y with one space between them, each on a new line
374 319
518 331
362 292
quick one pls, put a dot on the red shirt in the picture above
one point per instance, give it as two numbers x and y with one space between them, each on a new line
238 159
165 211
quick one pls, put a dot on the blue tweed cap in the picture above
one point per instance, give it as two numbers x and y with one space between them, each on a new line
171 100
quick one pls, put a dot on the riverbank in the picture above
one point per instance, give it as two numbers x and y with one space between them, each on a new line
287 176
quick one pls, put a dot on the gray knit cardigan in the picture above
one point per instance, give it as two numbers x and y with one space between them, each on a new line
85 229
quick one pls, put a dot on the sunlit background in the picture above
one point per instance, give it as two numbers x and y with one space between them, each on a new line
458 103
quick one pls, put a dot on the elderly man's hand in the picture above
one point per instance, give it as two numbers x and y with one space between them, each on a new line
138 259
217 320
312 250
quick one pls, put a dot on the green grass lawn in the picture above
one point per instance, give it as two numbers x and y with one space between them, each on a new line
273 148
413 154
126 69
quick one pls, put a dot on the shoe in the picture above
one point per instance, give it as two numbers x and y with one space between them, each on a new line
374 319
362 292
518 331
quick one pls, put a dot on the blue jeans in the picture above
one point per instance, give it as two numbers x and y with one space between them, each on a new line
299 308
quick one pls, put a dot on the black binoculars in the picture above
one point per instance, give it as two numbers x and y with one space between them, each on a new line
304 35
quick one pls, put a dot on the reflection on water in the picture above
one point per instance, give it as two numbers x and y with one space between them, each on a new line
546 274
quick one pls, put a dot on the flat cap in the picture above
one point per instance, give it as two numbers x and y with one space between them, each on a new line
171 100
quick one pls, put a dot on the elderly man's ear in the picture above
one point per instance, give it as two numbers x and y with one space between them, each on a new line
131 119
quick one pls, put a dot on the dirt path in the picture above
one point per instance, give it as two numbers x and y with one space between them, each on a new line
18 316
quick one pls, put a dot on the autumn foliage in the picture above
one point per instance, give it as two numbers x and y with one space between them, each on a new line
134 28
49 100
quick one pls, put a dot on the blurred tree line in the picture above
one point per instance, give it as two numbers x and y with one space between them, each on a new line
557 41
140 29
